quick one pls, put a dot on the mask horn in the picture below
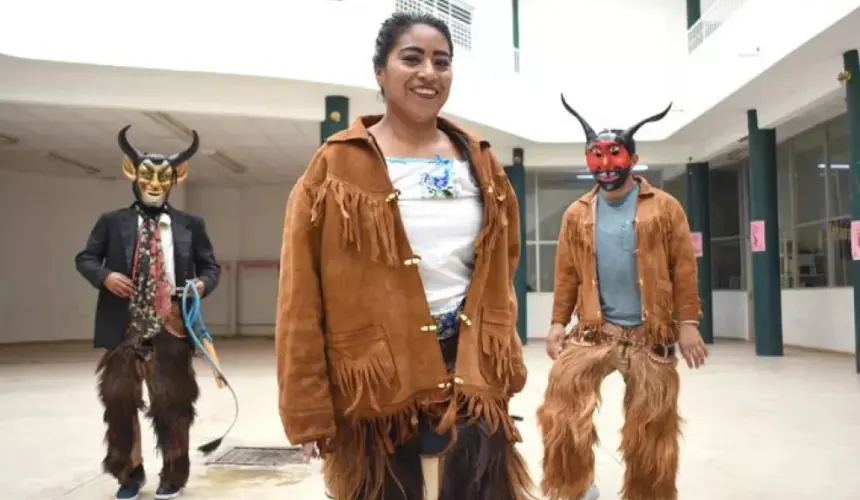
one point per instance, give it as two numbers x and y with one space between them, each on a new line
590 134
129 150
180 158
628 134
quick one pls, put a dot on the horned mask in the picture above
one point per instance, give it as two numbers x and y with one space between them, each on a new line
154 175
611 154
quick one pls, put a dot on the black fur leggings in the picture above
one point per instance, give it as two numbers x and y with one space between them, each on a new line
172 389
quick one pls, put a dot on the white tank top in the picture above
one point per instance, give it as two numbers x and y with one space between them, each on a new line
440 204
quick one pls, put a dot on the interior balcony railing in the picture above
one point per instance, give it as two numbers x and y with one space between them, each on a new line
710 21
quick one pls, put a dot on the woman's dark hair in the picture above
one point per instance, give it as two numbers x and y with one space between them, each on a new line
399 23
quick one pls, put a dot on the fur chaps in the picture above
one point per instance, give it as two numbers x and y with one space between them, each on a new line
649 438
173 391
476 466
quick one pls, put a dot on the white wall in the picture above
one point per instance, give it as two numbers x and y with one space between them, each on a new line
617 61
45 222
820 318
730 314
814 318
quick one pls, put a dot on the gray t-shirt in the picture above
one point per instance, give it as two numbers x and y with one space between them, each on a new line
617 275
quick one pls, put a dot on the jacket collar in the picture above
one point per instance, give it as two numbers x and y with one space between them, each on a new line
645 190
358 131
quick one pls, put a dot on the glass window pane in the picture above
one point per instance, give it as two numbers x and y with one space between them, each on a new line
677 187
725 201
788 278
808 160
840 174
811 255
547 266
531 268
654 177
840 236
726 264
556 191
531 232
783 195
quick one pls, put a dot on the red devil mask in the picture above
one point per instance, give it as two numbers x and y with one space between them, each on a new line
611 154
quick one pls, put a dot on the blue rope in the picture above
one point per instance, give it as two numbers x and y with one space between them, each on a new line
196 329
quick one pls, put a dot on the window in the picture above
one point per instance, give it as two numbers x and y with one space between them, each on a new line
726 249
784 195
810 208
839 206
814 207
548 194
456 14
552 193
677 187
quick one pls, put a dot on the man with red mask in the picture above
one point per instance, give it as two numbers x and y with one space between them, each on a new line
625 266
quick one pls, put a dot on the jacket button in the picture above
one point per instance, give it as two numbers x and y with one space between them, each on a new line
393 196
445 385
465 319
412 261
459 381
429 328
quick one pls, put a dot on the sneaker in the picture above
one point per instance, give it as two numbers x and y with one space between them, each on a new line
592 494
166 492
130 490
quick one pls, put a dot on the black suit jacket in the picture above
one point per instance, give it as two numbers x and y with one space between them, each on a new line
110 248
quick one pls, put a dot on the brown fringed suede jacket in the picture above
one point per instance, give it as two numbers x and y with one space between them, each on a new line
664 258
354 336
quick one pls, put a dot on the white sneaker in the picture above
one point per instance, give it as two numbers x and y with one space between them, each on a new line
592 494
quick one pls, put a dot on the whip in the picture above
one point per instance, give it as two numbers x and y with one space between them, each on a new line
195 328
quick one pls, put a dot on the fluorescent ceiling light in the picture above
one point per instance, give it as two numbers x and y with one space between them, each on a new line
8 140
226 162
836 166
89 169
588 177
171 124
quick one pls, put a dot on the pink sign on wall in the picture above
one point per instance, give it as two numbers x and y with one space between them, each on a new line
855 240
697 243
757 243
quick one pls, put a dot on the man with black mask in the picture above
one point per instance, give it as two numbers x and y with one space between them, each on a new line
625 267
138 258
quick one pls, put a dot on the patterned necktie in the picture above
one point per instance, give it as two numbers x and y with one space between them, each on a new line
150 302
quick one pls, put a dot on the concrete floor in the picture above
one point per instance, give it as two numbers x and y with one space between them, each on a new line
757 428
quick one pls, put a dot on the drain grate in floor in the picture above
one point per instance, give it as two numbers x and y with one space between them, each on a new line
260 457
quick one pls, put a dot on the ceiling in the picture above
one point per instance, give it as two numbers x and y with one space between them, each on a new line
815 64
81 142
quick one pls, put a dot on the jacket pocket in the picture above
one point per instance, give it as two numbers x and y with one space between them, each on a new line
361 368
499 350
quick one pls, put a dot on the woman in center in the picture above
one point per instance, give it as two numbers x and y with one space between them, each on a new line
396 332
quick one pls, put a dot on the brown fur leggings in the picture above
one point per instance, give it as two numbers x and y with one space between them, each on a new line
649 438
172 388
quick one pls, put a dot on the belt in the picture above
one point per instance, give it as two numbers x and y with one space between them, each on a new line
629 337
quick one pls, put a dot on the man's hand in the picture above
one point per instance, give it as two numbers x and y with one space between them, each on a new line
692 346
119 285
201 287
555 340
310 451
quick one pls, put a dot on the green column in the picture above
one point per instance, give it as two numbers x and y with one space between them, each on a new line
517 175
336 116
694 12
852 101
764 211
699 215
